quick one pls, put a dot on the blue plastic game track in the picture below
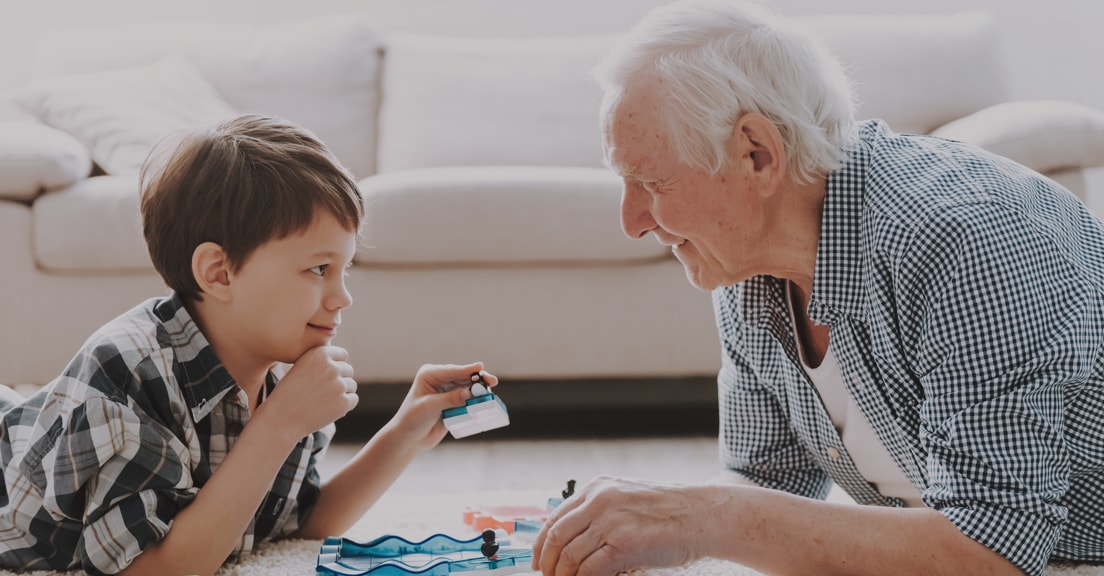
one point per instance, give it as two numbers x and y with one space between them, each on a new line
437 555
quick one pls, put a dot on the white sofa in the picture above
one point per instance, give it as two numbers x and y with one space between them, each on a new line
493 227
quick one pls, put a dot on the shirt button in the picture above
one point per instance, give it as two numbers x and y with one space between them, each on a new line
833 453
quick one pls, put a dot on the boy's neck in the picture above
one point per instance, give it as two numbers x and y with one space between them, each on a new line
249 375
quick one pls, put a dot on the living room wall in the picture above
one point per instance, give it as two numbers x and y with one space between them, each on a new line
1049 48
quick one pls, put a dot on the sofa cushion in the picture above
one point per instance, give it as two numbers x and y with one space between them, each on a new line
917 71
91 226
465 101
1044 135
34 158
497 214
320 73
121 114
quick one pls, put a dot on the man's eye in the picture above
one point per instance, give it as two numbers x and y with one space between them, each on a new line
649 187
320 270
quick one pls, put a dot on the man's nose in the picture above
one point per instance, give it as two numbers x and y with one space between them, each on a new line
636 214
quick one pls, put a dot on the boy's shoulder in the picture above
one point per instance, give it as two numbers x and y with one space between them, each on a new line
140 345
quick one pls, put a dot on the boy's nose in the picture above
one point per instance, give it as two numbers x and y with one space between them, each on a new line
340 299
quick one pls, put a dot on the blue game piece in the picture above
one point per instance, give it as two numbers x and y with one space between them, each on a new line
438 555
483 411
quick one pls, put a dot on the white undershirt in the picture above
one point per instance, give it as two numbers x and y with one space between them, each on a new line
867 452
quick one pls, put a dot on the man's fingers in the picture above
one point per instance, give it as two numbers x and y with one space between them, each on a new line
577 552
564 507
563 526
601 561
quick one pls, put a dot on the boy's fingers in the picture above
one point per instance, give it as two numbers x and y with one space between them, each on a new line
337 353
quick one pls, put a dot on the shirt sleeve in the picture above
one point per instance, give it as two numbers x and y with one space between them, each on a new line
134 482
757 440
1001 326
306 498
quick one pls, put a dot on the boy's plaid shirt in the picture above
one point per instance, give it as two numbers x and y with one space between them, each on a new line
965 300
98 463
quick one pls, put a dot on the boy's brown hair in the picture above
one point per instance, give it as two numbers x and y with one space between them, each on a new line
239 184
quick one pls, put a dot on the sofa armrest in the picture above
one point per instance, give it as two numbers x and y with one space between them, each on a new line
35 157
1044 135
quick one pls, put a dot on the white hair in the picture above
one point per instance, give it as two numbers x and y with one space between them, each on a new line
716 60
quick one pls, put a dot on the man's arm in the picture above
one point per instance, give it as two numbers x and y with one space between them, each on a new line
757 439
616 525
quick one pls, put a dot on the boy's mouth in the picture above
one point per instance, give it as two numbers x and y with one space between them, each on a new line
331 329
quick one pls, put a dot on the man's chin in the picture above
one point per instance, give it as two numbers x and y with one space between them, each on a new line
700 281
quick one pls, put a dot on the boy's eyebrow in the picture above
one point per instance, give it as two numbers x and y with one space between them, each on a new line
326 254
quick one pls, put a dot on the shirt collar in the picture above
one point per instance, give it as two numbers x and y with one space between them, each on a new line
839 272
202 378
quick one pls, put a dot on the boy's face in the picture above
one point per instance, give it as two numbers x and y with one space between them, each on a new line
288 295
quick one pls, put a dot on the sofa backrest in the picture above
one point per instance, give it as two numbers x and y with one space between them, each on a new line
917 72
460 101
463 100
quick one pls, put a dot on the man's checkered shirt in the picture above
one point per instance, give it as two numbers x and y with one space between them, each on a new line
98 463
965 300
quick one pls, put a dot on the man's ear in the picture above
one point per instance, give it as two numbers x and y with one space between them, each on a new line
211 269
759 151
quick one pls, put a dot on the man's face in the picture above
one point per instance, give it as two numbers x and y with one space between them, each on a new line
714 223
289 294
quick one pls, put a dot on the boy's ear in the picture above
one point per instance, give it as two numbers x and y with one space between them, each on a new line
211 269
760 151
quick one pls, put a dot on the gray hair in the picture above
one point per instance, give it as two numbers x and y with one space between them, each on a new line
718 59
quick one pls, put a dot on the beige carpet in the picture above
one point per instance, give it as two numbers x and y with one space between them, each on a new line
432 495
421 517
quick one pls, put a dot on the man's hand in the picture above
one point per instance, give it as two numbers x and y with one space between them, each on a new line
318 390
436 387
614 525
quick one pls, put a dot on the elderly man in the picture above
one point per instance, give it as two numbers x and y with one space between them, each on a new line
911 318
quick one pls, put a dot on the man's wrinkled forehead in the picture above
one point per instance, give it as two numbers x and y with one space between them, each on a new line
631 127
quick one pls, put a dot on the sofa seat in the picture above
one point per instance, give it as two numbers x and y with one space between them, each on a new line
509 215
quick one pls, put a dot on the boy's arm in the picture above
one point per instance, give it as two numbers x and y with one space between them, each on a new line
416 427
316 391
204 534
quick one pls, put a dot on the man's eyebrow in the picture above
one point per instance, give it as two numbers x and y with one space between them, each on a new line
622 171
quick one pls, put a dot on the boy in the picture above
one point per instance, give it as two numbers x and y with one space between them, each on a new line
188 429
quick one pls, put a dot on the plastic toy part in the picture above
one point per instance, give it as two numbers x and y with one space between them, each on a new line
437 555
478 414
502 517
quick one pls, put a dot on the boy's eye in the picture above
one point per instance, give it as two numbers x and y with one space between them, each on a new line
319 270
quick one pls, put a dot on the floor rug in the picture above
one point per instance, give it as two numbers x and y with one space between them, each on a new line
416 517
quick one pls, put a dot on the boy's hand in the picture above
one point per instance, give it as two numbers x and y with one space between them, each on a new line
436 387
317 390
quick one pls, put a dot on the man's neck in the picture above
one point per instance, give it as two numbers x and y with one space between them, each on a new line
796 234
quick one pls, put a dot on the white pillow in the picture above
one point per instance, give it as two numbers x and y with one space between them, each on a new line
34 158
121 114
